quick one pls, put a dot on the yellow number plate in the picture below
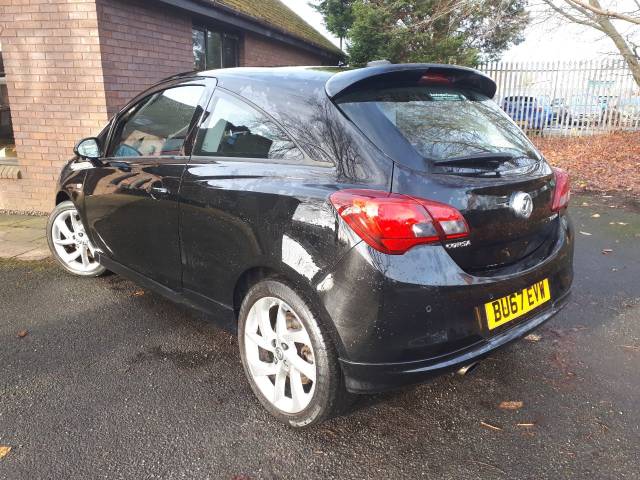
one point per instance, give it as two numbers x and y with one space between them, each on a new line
512 306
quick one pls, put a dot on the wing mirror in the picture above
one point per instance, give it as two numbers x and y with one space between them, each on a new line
88 148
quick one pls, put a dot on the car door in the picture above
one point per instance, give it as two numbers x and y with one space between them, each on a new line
131 204
245 192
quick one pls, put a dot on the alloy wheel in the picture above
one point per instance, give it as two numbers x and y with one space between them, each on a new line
279 355
71 242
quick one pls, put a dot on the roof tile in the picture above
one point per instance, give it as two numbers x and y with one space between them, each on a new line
280 17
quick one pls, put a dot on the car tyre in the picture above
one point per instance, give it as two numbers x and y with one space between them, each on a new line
69 243
281 339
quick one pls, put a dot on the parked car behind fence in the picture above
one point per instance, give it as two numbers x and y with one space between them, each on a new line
628 112
583 97
528 112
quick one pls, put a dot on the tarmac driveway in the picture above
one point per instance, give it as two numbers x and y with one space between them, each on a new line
115 382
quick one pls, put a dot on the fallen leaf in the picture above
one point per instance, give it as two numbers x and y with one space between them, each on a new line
4 450
595 215
533 337
138 293
490 427
606 250
582 157
510 405
525 425
585 233
22 333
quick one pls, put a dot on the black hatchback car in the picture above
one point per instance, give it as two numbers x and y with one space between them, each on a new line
360 229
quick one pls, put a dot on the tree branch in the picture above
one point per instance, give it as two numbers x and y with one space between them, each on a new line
607 13
572 18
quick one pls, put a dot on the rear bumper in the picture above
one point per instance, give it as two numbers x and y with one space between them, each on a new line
401 319
378 377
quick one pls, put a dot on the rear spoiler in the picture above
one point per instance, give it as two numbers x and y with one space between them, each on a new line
382 75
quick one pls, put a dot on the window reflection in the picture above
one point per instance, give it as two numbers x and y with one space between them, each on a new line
234 129
7 142
159 125
439 122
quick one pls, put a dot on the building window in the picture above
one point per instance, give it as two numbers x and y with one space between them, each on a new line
7 143
214 49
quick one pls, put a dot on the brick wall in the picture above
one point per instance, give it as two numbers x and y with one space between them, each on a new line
71 64
141 43
258 51
56 93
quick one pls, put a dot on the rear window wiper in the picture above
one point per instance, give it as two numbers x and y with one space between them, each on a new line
489 159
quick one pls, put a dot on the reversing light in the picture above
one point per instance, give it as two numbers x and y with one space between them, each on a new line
562 190
393 223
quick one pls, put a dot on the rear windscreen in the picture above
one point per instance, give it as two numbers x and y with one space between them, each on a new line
439 121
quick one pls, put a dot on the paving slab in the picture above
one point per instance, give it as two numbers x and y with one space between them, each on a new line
37 223
19 234
39 253
13 249
23 237
6 219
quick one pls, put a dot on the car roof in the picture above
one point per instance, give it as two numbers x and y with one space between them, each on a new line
292 77
337 80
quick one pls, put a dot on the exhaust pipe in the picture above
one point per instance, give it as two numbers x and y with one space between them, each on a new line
467 369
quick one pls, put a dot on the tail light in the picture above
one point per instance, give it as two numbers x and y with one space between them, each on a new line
394 223
562 190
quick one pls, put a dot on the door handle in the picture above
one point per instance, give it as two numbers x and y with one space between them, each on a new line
122 166
158 192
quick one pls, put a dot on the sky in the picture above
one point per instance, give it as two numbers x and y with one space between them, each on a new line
544 41
302 8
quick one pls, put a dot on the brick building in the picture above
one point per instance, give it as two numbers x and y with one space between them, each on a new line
66 66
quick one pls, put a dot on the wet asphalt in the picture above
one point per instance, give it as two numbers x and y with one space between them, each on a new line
114 382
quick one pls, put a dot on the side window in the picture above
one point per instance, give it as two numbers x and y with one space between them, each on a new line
235 129
158 125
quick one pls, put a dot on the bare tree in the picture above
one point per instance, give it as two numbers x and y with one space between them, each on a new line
592 14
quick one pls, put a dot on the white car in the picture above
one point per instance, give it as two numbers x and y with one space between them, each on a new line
629 112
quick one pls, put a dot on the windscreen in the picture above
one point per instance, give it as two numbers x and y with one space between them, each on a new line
439 121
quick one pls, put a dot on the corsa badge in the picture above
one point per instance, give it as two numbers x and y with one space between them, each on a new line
460 244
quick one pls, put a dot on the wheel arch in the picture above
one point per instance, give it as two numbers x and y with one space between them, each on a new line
62 196
292 279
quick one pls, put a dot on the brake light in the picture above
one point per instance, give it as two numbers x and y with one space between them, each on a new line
562 190
435 78
393 223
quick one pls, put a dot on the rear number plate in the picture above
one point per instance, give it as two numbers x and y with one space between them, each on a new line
512 306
